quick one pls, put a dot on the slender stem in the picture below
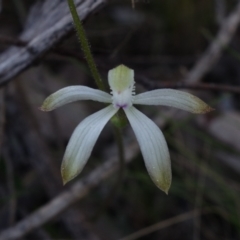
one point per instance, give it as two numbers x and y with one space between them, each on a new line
115 187
91 63
84 44
119 139
87 52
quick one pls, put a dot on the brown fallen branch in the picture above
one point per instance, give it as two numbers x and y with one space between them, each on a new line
212 54
220 11
76 192
172 221
42 162
163 224
60 203
2 116
147 83
40 39
5 40
47 23
34 48
9 41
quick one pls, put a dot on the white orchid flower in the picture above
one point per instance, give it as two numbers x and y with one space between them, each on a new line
151 140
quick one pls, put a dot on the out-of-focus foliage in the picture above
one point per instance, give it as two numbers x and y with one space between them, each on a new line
161 40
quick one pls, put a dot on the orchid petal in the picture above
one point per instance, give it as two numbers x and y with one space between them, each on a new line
82 142
74 93
153 147
173 98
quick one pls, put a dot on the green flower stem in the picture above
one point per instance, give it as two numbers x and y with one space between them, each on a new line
107 201
85 46
119 139
91 63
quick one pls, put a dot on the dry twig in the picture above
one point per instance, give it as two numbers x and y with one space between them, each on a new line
47 23
220 11
212 54
163 224
150 84
43 162
76 192
68 197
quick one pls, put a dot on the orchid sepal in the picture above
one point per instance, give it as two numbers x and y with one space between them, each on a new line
173 98
82 142
153 147
72 94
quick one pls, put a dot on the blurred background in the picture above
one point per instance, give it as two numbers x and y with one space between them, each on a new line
161 40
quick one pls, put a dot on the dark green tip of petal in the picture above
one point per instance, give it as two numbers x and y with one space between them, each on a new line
164 185
47 104
166 191
64 182
67 174
200 106
44 109
163 188
209 109
205 109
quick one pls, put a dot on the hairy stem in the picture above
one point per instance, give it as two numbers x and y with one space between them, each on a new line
90 60
119 140
85 45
